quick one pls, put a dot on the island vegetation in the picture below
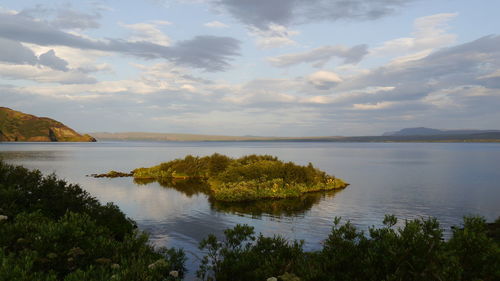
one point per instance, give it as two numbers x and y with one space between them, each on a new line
247 178
275 208
51 230
18 126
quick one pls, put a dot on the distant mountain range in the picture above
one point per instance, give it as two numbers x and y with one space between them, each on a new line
189 137
18 126
404 135
423 131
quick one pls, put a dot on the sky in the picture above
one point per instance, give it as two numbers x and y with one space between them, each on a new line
260 67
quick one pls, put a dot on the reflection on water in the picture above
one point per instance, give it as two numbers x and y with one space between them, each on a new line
189 187
31 155
275 208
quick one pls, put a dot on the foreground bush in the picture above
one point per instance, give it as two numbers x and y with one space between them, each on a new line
415 251
51 230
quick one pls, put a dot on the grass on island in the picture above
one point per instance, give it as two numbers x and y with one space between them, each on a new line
247 178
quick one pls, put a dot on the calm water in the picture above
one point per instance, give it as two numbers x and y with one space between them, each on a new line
446 181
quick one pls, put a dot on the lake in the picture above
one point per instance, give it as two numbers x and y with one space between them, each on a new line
409 180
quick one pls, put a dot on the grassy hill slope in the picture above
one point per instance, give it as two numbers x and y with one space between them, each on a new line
18 126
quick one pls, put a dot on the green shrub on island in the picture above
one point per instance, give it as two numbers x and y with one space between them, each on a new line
247 178
52 230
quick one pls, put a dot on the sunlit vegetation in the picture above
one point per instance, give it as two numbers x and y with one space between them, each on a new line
247 178
52 230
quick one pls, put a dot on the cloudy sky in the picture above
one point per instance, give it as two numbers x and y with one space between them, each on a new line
260 67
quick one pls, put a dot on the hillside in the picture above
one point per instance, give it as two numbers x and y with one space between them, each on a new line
18 126
484 136
423 131
145 136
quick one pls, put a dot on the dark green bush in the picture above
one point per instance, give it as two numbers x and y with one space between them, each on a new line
415 251
22 190
56 231
476 252
242 256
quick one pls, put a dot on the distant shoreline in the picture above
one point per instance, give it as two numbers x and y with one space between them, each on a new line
493 137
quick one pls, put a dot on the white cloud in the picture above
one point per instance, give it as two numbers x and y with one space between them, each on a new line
216 24
495 74
161 77
83 60
373 106
189 88
430 33
7 11
324 80
318 57
456 97
411 57
148 32
274 36
348 97
44 74
208 52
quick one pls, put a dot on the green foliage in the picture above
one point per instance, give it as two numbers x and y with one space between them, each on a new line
415 251
22 190
217 163
248 257
248 178
56 231
475 250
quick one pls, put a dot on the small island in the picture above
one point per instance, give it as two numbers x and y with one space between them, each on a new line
247 178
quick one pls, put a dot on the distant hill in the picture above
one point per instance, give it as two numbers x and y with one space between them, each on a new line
493 136
144 136
422 131
18 126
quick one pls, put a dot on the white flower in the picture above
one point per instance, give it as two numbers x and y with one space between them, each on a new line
174 273
115 266
158 263
3 218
